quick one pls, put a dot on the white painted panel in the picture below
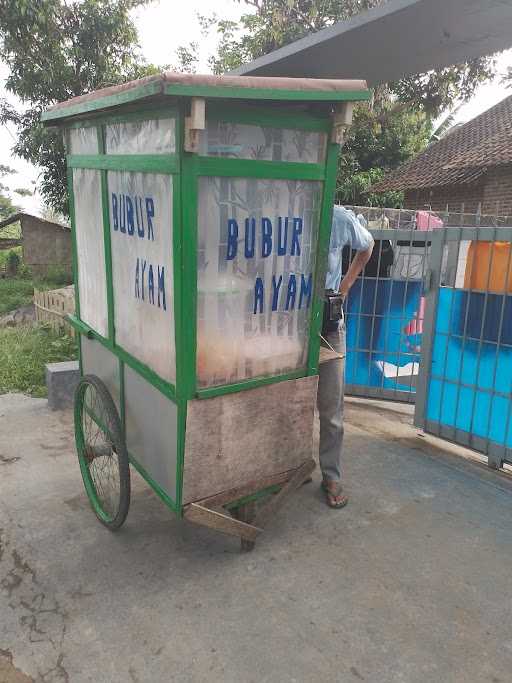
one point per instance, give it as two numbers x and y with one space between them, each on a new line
255 261
151 430
244 141
82 140
142 267
92 284
155 136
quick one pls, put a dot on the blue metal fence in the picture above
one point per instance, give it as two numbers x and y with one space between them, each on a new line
433 325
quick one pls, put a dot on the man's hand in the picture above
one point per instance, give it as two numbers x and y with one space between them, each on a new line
355 268
344 288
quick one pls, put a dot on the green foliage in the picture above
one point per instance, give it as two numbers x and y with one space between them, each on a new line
57 49
12 231
274 23
356 190
5 255
56 277
188 59
379 140
394 128
13 262
14 293
7 208
445 126
24 272
23 192
24 351
19 291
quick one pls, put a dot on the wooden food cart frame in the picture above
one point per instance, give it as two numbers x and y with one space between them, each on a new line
160 99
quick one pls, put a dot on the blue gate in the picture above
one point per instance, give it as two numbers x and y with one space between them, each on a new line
464 392
385 317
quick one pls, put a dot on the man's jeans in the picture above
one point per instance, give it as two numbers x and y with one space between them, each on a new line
331 385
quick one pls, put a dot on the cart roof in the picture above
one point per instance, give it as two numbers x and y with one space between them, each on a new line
194 85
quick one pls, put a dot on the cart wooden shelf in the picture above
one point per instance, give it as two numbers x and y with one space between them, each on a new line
201 210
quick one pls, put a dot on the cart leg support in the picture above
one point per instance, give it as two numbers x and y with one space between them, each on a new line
246 513
247 522
220 521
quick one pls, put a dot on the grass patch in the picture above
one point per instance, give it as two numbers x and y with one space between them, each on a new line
24 351
19 291
15 292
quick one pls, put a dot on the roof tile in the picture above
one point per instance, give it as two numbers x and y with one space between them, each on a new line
462 156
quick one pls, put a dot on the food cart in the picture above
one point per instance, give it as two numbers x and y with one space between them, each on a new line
201 210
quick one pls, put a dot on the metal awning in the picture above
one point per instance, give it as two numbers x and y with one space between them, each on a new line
399 38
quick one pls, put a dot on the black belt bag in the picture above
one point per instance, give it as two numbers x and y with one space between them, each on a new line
333 311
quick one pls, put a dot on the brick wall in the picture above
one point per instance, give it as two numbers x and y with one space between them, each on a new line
491 195
45 245
458 198
497 198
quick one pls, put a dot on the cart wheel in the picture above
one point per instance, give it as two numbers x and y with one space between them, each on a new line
102 452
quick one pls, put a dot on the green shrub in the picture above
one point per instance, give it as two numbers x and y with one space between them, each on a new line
13 262
24 351
56 276
5 255
24 272
15 292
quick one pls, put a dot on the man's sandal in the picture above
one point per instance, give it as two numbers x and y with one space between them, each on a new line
331 494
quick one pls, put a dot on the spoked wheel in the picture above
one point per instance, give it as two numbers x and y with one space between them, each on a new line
102 452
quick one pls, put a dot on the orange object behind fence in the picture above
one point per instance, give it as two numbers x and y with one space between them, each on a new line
489 267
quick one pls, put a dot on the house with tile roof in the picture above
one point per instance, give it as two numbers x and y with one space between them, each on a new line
468 170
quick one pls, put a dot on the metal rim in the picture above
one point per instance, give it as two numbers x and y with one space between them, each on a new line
101 452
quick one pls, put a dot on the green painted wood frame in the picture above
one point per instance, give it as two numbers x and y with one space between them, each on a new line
156 163
169 165
186 169
158 87
255 115
193 167
281 95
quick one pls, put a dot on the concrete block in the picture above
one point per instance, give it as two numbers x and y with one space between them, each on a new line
61 381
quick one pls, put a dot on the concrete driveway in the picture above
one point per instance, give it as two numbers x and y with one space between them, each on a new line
411 582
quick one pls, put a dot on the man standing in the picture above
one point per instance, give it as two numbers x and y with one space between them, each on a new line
346 230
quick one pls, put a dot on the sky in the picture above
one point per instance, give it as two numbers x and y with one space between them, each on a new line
161 30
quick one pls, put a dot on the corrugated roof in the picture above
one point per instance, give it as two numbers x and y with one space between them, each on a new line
462 156
190 85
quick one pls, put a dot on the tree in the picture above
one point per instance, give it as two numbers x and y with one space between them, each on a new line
396 126
275 23
55 50
378 141
7 208
187 56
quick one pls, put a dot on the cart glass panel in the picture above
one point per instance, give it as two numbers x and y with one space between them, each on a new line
82 140
245 141
255 261
92 280
140 207
154 136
